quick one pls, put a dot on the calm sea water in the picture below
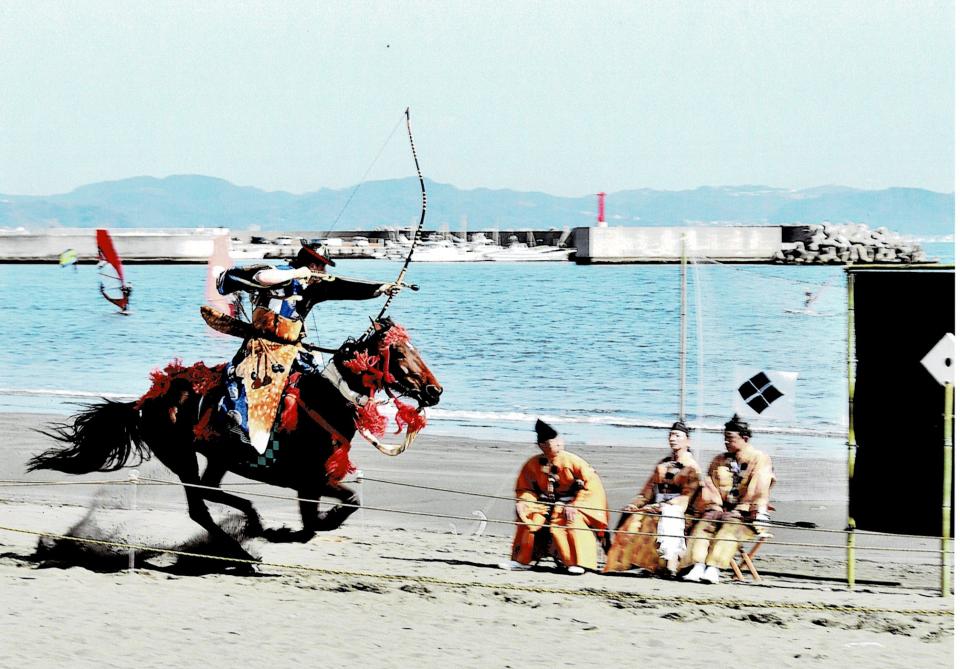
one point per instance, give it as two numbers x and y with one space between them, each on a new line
594 349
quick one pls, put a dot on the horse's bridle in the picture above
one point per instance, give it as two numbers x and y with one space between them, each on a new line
362 365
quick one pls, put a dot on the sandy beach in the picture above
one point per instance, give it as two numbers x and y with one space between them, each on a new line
393 589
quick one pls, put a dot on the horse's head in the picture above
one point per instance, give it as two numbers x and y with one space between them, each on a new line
385 359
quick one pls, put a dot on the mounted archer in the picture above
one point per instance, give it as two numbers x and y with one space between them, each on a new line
304 446
273 348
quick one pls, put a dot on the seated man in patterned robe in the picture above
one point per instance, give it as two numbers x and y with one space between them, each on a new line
561 505
656 514
734 503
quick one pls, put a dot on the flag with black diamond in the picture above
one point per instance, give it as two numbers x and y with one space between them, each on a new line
765 393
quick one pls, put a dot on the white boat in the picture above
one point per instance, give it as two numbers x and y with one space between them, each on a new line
240 251
445 250
518 252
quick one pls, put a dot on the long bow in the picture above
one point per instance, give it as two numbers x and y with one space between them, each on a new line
423 215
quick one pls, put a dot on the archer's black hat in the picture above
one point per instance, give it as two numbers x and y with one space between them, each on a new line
680 426
737 424
544 431
311 254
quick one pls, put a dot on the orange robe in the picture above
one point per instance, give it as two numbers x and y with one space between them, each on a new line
678 477
574 543
747 492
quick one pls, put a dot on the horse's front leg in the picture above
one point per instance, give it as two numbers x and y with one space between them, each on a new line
309 502
335 516
315 520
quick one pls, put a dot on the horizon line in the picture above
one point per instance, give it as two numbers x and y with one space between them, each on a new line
753 186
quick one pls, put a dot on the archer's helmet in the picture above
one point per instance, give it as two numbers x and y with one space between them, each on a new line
311 254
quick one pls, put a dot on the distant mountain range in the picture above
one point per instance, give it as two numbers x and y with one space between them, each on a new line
201 201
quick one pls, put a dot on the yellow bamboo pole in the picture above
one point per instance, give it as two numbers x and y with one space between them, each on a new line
947 489
851 435
683 324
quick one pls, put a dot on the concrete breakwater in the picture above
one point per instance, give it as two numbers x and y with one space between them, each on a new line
178 245
818 244
167 245
852 243
821 244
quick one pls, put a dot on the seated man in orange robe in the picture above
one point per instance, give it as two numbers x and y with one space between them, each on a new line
656 515
562 506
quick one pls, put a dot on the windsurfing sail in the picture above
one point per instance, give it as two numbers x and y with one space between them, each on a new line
220 261
113 286
68 257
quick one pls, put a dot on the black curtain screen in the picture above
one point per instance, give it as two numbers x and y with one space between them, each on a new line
898 406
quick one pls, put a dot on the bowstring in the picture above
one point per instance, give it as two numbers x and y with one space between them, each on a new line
366 173
353 192
423 214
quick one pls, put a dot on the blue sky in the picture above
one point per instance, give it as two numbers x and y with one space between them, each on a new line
566 97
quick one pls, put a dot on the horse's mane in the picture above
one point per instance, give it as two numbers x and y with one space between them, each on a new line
350 345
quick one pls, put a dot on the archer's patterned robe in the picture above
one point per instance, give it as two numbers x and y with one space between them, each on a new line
256 377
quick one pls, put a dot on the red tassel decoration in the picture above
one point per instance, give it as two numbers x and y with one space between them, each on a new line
409 416
338 464
369 419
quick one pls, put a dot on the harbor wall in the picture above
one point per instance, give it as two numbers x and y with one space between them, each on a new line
665 244
729 243
173 245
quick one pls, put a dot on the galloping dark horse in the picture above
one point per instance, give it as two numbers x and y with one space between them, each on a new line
308 452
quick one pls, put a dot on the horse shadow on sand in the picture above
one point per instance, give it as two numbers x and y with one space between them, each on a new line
90 545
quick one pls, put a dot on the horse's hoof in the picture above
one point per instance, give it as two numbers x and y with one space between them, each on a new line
285 534
277 534
242 569
333 518
253 528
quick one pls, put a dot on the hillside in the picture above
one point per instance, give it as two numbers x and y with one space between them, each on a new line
195 201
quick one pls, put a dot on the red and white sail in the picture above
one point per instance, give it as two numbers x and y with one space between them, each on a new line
113 286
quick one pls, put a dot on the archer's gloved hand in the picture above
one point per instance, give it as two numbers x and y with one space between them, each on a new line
302 273
390 289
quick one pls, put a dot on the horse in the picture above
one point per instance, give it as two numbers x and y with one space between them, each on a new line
308 451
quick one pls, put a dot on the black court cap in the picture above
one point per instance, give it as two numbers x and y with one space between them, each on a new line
544 431
310 254
737 424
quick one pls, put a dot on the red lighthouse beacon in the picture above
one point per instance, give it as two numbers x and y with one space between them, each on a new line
601 221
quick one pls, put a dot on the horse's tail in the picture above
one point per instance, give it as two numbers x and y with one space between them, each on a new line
101 439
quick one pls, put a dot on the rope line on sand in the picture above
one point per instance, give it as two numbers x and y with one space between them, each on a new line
615 595
360 479
427 514
519 522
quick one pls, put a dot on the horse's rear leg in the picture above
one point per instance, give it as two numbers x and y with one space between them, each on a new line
200 514
186 468
212 476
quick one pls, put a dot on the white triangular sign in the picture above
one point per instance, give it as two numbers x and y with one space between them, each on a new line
940 360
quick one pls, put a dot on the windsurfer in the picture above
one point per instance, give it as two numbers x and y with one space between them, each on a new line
111 268
125 290
282 296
